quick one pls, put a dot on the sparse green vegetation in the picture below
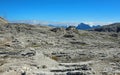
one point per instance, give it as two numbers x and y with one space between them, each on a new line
79 43
83 34
2 62
35 46
54 58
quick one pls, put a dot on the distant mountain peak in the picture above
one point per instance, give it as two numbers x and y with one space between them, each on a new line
83 26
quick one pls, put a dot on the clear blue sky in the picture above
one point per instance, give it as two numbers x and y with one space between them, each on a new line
61 10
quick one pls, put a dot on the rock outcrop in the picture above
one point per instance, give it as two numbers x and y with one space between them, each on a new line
3 21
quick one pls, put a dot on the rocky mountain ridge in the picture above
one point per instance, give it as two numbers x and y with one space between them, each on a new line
115 27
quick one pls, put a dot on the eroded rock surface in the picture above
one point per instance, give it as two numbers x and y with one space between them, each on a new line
41 50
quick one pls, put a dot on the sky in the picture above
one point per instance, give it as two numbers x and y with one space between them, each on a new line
89 11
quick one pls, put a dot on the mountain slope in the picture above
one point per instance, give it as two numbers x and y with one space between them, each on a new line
3 21
115 27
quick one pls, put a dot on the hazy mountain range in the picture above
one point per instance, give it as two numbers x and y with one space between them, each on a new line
81 26
113 27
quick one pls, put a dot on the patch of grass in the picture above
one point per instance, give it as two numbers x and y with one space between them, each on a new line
35 45
83 44
54 58
79 43
2 62
1 70
83 34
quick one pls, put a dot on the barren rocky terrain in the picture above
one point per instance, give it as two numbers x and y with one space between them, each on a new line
41 50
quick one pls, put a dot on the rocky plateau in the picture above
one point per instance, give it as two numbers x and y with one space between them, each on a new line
42 50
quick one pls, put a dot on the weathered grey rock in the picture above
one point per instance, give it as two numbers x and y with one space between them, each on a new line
75 73
28 53
42 50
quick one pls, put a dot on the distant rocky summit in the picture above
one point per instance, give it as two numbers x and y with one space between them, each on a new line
83 26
